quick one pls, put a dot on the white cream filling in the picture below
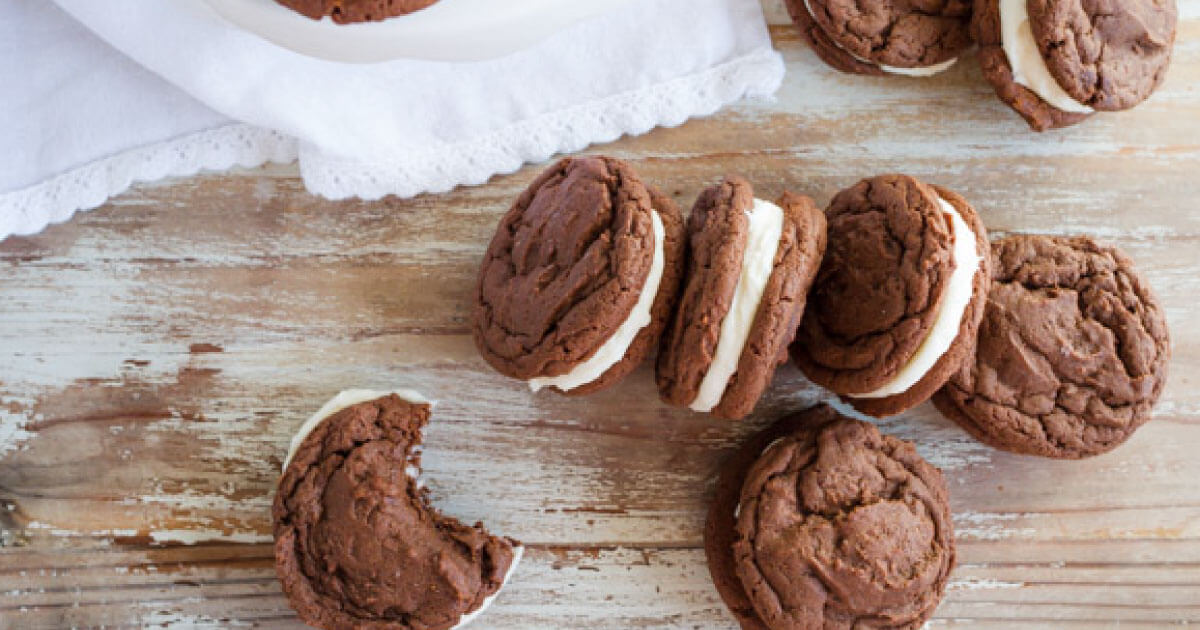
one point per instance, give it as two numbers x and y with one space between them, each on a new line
345 399
352 397
758 261
920 71
474 614
615 347
955 299
1028 66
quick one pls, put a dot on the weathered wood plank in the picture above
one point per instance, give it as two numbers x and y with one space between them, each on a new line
156 355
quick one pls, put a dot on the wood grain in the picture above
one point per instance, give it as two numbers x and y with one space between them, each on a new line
157 354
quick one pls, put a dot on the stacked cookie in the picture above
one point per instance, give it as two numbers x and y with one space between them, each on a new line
899 295
750 265
1055 62
586 273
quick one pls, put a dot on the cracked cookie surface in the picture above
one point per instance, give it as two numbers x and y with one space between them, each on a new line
1072 352
566 267
1107 54
900 33
822 522
1040 115
357 544
879 290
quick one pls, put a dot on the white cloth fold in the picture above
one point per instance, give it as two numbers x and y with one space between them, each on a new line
88 121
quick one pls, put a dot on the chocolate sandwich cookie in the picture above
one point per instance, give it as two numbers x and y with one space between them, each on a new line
1057 61
581 277
349 11
895 306
750 265
357 544
1072 352
879 37
821 522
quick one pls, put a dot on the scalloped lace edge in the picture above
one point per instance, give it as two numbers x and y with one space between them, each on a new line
439 169
30 210
433 170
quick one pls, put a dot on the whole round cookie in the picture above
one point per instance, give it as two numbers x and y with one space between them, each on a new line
821 522
350 11
1107 54
750 266
900 293
886 33
1072 352
581 277
357 544
1040 115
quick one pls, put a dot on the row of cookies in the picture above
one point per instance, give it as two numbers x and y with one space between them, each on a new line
591 266
1055 62
880 298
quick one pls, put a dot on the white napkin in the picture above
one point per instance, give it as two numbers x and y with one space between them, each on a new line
89 121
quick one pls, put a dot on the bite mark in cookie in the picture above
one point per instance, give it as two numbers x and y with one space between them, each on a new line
357 543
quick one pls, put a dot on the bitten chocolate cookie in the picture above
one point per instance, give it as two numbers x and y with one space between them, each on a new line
885 36
357 544
895 306
821 522
1072 352
581 277
348 11
1057 61
750 266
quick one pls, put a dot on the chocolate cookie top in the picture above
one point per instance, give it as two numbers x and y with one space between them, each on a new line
823 46
1040 115
348 11
834 526
717 233
900 33
1072 352
566 267
1107 54
357 543
880 288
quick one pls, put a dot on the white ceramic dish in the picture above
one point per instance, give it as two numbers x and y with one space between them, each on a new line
450 30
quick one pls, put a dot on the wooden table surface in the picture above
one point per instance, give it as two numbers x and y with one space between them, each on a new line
157 354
